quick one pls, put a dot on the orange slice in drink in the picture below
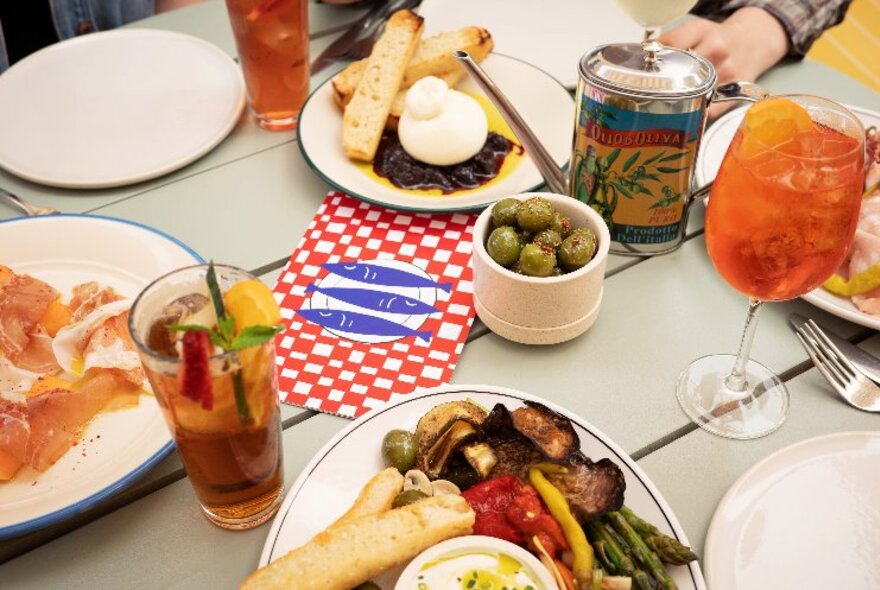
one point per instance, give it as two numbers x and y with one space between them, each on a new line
251 303
771 123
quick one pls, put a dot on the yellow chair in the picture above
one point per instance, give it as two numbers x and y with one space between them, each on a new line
853 47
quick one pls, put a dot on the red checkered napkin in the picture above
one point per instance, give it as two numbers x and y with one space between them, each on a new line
378 305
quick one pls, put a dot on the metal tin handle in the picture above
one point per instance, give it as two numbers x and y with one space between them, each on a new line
746 91
548 168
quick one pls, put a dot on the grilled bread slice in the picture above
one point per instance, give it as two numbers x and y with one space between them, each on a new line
432 58
365 114
375 497
344 556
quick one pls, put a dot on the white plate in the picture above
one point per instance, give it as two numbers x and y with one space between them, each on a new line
544 104
712 151
114 108
118 447
805 517
552 34
331 481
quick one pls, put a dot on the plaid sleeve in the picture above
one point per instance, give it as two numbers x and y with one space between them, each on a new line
803 20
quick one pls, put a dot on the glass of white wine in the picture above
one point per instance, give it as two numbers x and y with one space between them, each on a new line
654 15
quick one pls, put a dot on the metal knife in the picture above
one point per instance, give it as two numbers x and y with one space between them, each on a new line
361 28
868 363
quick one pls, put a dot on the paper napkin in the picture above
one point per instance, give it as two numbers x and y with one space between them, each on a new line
378 304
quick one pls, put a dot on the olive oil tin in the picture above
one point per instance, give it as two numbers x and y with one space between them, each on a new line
638 123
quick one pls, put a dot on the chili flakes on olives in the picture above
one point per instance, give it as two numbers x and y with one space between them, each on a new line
532 238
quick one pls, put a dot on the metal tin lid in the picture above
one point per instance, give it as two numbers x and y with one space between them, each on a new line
622 68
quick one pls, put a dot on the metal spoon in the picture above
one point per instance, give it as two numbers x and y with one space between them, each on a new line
548 168
21 204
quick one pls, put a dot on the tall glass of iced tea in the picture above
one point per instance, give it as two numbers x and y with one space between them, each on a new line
780 219
272 37
215 381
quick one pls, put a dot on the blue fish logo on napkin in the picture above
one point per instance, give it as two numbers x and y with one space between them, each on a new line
373 301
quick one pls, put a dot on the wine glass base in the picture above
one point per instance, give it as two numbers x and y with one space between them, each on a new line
714 407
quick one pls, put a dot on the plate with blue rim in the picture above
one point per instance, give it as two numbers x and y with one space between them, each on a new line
330 483
119 447
544 103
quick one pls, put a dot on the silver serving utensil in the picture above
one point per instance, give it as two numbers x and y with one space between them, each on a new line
22 205
843 376
548 168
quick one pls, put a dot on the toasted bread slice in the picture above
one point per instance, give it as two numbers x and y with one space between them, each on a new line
432 58
365 115
342 557
375 497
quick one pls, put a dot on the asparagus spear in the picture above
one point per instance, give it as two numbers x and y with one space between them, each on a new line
643 554
642 581
642 527
669 550
618 562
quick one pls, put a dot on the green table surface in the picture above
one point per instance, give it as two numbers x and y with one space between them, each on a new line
248 202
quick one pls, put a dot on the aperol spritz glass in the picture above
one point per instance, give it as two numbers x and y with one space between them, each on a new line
780 219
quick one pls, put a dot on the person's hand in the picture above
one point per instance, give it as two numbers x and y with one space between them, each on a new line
741 48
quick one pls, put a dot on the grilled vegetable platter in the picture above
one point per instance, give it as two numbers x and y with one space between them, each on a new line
488 461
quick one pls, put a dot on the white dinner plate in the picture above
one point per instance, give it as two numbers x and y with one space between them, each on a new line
115 108
712 151
552 34
544 104
117 447
805 517
331 481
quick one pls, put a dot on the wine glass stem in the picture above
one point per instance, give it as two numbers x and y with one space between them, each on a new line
736 381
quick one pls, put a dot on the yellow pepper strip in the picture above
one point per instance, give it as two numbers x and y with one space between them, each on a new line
574 533
863 282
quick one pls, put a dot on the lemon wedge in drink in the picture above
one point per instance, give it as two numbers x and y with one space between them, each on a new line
772 122
251 303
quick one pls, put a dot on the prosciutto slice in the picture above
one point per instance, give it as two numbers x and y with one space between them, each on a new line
38 356
57 417
865 253
14 429
23 301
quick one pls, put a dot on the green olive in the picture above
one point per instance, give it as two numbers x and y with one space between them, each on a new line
535 214
408 497
548 238
537 261
578 249
368 586
504 245
399 449
561 224
504 212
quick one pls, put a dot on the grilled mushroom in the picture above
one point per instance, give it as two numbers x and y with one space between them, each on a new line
434 461
552 433
481 457
440 418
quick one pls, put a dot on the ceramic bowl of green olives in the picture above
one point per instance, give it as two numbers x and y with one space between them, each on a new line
539 263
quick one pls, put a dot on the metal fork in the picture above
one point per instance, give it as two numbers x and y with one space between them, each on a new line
847 380
21 204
